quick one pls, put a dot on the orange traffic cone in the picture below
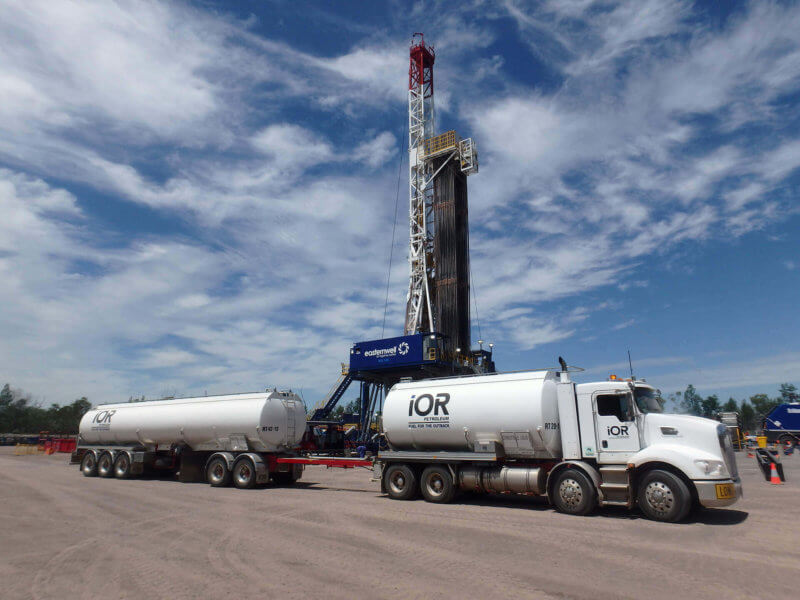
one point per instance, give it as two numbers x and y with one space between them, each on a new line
750 453
773 476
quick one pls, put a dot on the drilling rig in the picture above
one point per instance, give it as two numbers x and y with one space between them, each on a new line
437 339
438 166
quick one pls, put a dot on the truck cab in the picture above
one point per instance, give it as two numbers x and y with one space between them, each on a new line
623 428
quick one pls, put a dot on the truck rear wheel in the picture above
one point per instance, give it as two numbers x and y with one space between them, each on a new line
218 474
437 485
663 496
89 465
573 493
105 465
122 466
244 474
401 482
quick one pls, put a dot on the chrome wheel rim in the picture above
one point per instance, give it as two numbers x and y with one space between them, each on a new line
122 465
88 464
217 472
104 466
397 482
570 492
435 484
243 473
659 497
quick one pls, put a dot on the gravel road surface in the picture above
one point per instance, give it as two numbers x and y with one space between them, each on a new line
334 536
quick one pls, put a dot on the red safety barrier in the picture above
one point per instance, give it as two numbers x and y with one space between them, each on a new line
65 444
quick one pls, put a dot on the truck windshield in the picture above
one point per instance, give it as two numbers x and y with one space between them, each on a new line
648 400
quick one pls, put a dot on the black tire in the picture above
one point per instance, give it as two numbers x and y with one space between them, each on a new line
122 466
89 465
663 496
244 474
436 484
217 473
105 465
574 493
401 482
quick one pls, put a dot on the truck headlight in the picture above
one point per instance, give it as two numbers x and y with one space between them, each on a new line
710 467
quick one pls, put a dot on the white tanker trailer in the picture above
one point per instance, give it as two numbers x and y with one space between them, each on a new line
602 443
237 437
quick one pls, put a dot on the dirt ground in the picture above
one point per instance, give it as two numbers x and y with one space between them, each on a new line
335 536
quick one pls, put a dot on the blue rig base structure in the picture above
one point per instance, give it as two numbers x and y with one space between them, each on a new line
378 364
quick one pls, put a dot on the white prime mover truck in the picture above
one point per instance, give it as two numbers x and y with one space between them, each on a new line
605 443
237 438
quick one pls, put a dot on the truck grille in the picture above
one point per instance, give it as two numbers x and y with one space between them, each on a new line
728 455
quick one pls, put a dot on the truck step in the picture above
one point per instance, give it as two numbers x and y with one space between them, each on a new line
614 474
614 487
615 493
615 503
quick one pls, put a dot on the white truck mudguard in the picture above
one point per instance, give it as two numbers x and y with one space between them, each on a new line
715 485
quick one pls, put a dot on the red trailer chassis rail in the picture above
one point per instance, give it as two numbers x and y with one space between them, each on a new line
328 461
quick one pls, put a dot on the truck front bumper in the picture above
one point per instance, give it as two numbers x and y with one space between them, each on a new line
709 494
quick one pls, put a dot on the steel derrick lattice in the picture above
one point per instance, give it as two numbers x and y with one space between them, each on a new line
419 312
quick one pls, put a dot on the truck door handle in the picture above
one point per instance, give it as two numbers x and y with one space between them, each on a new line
604 443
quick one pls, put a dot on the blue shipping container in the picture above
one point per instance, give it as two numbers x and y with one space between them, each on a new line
394 352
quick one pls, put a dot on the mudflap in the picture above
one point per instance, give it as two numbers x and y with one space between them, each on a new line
192 466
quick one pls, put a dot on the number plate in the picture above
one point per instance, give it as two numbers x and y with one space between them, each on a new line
725 491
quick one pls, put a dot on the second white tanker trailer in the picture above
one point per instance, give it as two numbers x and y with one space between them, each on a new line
237 438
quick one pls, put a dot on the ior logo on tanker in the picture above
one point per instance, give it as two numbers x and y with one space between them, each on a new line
104 416
424 404
102 420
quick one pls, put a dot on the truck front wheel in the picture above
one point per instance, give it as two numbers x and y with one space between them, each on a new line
437 485
89 465
663 496
401 482
573 493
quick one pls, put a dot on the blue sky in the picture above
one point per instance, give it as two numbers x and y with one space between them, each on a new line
200 196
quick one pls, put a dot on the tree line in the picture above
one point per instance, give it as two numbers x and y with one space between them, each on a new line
751 410
20 414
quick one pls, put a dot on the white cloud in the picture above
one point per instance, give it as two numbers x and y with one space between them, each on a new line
292 146
65 62
623 325
378 150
